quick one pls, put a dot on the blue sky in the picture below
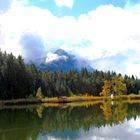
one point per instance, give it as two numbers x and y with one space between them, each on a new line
79 6
104 32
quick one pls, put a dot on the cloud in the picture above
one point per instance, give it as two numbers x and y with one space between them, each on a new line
108 37
32 47
114 63
127 62
66 3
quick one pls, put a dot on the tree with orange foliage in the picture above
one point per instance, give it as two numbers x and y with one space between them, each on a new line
106 88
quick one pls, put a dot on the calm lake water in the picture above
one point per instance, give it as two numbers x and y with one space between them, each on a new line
108 121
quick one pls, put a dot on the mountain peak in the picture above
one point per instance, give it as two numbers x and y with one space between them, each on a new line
61 60
61 52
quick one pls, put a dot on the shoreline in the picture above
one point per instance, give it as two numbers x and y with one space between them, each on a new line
65 100
50 100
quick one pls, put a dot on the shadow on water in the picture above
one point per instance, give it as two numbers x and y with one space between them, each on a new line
30 122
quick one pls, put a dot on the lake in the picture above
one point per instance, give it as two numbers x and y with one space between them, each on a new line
81 121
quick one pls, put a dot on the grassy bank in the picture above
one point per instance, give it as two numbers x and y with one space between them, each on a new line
50 100
71 99
59 100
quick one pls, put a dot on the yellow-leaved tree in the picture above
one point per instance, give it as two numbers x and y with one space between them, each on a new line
106 88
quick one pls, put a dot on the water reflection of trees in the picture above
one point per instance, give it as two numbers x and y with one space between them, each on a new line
25 123
115 112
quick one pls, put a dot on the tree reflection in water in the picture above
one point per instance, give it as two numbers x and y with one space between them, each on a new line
30 122
114 111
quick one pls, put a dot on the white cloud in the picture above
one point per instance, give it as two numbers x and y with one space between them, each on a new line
66 3
97 36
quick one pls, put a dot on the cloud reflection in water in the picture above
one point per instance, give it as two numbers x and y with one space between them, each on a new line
125 131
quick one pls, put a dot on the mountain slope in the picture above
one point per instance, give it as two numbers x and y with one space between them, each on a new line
61 60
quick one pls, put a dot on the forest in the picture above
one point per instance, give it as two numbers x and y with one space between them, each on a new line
19 80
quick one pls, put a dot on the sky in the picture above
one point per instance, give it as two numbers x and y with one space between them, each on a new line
104 32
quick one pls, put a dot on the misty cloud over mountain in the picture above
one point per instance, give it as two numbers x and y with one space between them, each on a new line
32 48
34 51
61 60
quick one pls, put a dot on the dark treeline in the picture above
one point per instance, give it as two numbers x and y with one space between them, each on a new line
18 80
